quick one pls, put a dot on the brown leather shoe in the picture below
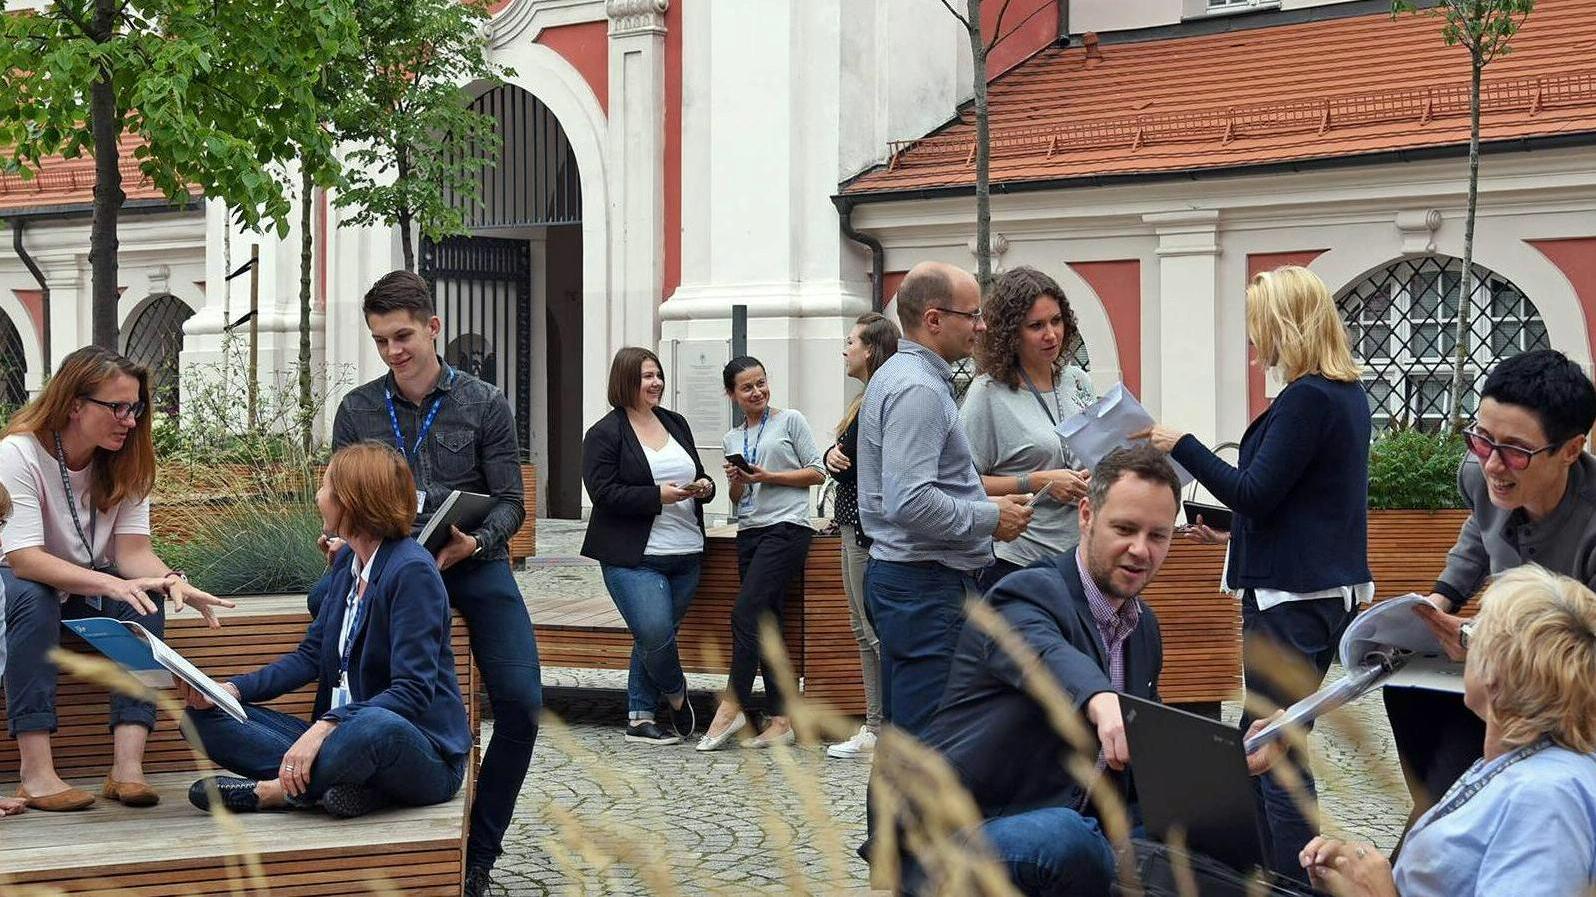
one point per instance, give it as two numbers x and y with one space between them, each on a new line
59 802
130 794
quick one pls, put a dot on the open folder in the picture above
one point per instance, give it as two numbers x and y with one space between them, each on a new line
1388 644
1106 425
150 660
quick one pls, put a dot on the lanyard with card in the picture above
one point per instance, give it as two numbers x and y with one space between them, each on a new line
421 435
746 506
354 615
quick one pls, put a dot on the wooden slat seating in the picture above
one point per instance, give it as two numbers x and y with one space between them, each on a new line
1200 624
176 849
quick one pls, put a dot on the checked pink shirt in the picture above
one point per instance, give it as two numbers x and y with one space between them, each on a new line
1114 626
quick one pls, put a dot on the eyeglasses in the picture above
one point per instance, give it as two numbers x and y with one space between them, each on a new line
119 410
1514 457
972 315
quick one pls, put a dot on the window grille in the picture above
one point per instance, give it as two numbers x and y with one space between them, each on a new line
13 365
964 372
156 341
1402 321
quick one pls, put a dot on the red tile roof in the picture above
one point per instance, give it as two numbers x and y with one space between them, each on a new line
65 182
1342 87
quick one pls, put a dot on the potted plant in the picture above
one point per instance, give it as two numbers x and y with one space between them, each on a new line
1415 511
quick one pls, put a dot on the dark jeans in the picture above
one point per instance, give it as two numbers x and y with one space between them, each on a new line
918 611
506 652
989 577
33 628
1437 739
768 559
653 597
1047 852
374 748
1309 631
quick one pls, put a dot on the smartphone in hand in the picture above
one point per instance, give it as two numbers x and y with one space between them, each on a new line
1046 492
736 460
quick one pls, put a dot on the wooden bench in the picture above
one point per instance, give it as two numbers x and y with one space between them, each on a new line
175 848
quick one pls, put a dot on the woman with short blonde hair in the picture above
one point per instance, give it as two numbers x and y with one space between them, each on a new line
1300 496
1522 820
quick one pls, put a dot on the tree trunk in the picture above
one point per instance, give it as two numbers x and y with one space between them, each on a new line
307 247
106 123
403 214
983 153
1465 299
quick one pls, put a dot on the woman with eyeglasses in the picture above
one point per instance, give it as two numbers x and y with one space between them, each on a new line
1530 485
1298 553
79 465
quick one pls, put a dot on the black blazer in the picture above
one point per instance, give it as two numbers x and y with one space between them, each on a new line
621 484
994 734
1301 494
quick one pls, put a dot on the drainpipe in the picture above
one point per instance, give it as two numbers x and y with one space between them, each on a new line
1063 24
878 256
44 290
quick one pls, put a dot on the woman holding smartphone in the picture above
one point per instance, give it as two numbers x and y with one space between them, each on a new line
647 533
1012 410
771 461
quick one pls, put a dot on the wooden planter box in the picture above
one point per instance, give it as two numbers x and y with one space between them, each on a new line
524 543
1407 549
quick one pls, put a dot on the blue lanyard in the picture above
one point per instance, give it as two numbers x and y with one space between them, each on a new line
426 424
354 626
753 455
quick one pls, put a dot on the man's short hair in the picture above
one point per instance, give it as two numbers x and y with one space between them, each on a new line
1551 387
399 291
1143 461
926 288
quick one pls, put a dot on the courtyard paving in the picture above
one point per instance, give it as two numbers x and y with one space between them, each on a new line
595 809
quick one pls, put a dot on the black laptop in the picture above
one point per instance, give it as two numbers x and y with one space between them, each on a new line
1191 777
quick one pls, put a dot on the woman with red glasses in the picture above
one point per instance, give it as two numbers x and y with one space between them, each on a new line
1532 490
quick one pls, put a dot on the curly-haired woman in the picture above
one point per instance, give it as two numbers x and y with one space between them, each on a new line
1012 409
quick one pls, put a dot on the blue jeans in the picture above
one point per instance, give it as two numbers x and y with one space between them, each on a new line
1311 632
653 597
33 627
1047 852
374 748
506 652
918 612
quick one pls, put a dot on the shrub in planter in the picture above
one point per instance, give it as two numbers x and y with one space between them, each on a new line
1413 469
252 548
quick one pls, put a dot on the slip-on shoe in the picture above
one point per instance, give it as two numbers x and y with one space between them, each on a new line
130 794
715 742
237 794
763 741
59 802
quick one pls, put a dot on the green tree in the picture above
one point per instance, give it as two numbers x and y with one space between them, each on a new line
405 113
1485 28
980 48
218 93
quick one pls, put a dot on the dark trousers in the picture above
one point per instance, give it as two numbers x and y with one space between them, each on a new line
768 558
506 652
1437 739
918 611
374 748
992 575
1309 631
33 629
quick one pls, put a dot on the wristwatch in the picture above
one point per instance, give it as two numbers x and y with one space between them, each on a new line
1465 633
477 552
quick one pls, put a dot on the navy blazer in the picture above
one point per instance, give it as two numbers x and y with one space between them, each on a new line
994 734
400 659
1301 495
621 483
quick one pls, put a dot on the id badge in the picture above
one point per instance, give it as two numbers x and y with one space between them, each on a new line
421 501
746 505
340 695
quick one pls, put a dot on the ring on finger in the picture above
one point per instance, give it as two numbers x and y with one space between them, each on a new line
1360 853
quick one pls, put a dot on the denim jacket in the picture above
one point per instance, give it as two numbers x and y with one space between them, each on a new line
471 447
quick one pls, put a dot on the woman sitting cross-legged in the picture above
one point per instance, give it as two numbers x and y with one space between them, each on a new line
389 726
1522 821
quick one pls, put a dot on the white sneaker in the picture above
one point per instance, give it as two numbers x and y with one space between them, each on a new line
860 747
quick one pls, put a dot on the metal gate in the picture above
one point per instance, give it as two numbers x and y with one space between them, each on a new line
483 292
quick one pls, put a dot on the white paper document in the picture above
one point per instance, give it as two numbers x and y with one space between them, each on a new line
150 660
1106 425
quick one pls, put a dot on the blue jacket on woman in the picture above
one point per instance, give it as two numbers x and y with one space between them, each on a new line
1301 494
400 657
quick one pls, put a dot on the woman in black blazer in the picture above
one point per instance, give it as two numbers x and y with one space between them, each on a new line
1298 544
647 531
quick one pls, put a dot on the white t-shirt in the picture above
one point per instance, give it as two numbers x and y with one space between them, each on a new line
675 530
40 516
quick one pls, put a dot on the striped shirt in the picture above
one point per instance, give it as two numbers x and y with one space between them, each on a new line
1114 624
920 498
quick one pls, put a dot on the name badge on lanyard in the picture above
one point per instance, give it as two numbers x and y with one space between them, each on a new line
355 605
421 435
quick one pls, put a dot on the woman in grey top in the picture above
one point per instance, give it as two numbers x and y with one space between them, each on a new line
769 489
1010 412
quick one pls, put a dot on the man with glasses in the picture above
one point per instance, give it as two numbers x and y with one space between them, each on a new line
1532 490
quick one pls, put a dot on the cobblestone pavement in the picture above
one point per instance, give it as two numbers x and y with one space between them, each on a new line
735 821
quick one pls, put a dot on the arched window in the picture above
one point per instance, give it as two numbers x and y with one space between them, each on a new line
1403 323
156 340
13 365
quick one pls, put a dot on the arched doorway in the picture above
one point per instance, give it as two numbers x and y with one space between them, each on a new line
155 340
13 365
1403 322
510 293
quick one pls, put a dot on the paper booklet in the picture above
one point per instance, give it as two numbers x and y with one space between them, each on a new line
150 660
1107 424
1388 644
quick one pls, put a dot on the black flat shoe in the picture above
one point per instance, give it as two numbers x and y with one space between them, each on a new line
349 801
649 733
236 794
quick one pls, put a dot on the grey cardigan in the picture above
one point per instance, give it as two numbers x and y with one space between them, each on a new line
1493 540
